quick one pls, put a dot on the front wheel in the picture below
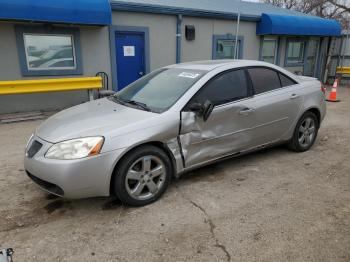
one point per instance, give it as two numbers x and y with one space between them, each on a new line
142 176
305 133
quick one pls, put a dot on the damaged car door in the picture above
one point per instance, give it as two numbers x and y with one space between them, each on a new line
227 129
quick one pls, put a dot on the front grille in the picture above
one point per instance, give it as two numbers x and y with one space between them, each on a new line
34 147
47 185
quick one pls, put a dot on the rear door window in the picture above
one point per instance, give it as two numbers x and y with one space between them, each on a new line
223 88
264 79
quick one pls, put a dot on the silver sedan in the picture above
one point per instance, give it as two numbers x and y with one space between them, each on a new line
170 121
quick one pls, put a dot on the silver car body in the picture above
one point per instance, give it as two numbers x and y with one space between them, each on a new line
189 141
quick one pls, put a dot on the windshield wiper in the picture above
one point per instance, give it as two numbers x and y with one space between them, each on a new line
138 104
143 106
117 99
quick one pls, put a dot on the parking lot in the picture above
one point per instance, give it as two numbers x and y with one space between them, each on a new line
272 205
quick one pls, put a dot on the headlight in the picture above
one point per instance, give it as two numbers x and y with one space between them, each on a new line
76 148
29 140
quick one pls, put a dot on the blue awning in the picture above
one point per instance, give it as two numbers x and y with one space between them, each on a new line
85 12
271 24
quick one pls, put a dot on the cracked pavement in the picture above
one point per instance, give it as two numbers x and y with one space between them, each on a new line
272 205
208 220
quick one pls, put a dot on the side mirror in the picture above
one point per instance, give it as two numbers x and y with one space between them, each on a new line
196 107
208 108
203 110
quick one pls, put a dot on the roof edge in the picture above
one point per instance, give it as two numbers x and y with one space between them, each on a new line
158 9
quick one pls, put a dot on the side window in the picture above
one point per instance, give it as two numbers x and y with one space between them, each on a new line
40 48
286 81
295 51
226 87
269 50
225 49
264 79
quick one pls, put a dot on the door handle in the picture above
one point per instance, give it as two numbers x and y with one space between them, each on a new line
294 96
246 111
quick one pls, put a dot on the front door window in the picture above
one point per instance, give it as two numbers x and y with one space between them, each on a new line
226 130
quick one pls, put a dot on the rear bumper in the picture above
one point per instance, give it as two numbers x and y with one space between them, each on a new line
80 178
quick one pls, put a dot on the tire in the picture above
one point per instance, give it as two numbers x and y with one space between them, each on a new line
142 176
305 133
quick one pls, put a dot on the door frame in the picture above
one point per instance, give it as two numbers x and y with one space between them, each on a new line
112 42
307 50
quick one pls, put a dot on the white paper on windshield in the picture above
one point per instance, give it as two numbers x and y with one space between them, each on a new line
189 75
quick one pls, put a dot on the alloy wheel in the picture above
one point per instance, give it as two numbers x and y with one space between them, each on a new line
307 131
145 177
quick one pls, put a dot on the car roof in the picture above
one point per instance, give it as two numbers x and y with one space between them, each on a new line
209 65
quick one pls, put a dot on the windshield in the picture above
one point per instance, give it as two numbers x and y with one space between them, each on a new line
159 90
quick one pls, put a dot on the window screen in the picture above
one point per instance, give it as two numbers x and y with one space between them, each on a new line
226 87
286 81
264 79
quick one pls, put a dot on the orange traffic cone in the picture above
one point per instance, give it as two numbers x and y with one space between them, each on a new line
333 94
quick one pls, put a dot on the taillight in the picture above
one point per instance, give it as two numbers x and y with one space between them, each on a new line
323 88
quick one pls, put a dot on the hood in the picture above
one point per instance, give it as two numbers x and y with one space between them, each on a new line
101 117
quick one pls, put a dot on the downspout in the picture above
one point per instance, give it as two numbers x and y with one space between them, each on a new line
178 38
237 32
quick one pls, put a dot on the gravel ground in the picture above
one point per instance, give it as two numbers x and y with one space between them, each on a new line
273 205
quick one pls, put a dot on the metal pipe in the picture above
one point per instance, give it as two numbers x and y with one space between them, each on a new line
49 85
237 32
178 38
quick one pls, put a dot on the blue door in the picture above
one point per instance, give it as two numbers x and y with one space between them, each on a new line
130 52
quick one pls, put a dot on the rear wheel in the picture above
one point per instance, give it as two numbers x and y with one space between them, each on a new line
142 176
305 133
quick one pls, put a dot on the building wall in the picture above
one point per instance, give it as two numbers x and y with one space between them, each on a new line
201 47
162 34
163 49
95 58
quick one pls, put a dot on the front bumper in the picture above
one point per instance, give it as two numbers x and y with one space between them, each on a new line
80 178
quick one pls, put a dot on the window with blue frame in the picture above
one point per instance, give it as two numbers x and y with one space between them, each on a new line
295 52
47 51
224 47
269 50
